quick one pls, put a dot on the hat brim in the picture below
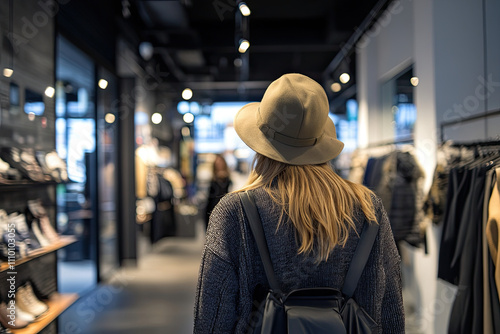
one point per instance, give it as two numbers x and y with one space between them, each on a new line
326 148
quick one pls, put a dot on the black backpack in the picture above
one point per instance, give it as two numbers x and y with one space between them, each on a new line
310 310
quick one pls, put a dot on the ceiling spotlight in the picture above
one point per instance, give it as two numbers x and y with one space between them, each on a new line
102 84
244 45
49 91
187 94
188 118
335 87
245 11
156 118
7 72
110 118
344 78
414 81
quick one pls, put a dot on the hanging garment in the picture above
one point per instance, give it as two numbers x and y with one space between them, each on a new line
458 188
395 179
163 223
367 177
406 198
493 228
357 167
435 201
467 311
397 184
494 297
487 304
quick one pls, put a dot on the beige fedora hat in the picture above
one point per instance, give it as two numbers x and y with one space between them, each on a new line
291 123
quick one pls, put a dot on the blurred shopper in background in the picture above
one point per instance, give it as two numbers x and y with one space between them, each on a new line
219 185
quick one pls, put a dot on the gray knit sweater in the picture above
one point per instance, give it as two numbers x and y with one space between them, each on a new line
231 268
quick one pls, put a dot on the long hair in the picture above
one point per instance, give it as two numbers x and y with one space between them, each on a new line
318 202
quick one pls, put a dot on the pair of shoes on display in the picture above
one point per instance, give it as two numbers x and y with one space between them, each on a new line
10 237
25 309
8 174
29 302
53 166
24 161
11 316
41 222
15 231
25 234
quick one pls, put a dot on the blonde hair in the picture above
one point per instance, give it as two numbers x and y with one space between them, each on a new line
318 202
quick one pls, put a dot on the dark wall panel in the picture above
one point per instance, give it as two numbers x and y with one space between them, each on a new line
27 46
91 25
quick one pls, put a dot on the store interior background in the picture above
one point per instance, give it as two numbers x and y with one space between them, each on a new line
116 132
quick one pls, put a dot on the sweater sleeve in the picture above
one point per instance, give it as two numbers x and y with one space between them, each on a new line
216 296
216 303
393 319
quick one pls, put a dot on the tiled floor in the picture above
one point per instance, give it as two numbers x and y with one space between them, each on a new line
156 297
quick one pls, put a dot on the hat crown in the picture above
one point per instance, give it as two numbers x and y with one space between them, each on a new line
295 106
291 123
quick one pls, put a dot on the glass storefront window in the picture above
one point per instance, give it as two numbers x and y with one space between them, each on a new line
76 143
107 134
398 104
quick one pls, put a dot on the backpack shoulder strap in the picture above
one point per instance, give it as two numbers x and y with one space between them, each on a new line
358 262
258 233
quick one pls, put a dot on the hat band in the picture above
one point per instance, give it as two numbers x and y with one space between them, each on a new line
296 142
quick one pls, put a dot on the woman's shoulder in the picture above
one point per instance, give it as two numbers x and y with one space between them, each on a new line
233 198
229 201
377 202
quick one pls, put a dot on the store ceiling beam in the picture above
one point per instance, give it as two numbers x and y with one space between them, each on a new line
221 85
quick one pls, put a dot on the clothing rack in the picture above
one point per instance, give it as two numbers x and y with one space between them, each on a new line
467 119
478 143
407 140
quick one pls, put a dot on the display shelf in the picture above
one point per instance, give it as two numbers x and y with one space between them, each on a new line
21 185
63 242
57 304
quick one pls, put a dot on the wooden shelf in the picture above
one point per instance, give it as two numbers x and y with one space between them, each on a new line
23 184
63 242
57 304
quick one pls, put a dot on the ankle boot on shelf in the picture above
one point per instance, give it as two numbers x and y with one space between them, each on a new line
24 315
48 230
24 161
6 321
36 208
21 247
44 242
24 233
33 297
8 175
28 303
